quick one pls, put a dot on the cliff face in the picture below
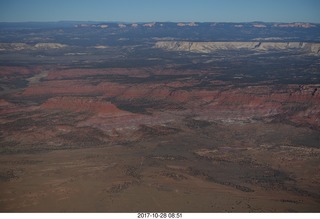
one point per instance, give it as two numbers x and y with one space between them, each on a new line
298 103
49 46
207 47
24 46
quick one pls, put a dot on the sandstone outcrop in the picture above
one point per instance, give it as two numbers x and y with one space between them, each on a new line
24 46
191 24
49 46
122 25
259 25
294 102
207 47
82 104
296 25
149 25
13 46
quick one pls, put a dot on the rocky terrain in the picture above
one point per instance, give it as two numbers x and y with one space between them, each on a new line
207 47
23 46
159 123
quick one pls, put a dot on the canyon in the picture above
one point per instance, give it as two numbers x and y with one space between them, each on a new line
108 121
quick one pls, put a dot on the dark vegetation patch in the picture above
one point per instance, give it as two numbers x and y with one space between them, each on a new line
13 84
200 173
241 175
197 124
166 157
30 100
174 176
133 172
268 178
21 162
127 79
150 131
144 105
18 125
41 120
290 201
117 188
303 192
84 137
7 175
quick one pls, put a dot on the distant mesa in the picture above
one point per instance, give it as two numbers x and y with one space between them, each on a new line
149 24
49 45
299 25
103 26
23 46
101 47
122 25
192 24
208 47
82 25
195 24
13 46
259 26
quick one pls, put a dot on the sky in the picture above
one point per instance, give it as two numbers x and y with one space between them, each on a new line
161 10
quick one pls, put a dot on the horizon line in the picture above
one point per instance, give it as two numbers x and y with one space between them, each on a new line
132 22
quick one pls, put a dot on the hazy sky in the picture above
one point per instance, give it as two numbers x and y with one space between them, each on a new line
161 10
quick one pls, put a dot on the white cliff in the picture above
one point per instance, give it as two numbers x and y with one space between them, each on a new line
207 47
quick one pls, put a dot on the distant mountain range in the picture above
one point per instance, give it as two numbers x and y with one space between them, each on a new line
116 24
78 33
197 24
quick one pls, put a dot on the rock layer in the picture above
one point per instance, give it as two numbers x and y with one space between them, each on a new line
298 103
207 47
24 46
77 104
